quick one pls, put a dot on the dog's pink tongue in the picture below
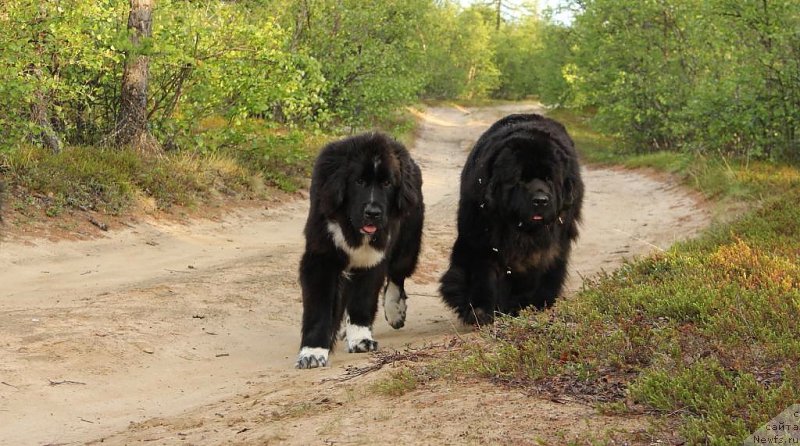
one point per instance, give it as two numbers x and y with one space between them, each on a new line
536 217
369 229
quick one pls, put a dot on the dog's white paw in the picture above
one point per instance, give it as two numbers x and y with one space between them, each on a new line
359 339
312 357
394 306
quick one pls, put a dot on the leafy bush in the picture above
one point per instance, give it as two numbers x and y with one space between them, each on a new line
718 77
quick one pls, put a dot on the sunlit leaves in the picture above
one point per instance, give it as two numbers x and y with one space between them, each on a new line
721 76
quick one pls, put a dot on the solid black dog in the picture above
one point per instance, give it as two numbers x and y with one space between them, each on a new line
364 225
518 214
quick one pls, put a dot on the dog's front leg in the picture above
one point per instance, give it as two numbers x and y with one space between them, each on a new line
360 293
322 308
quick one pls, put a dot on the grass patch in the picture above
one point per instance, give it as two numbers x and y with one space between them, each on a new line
704 334
398 383
281 156
109 180
219 160
717 178
401 124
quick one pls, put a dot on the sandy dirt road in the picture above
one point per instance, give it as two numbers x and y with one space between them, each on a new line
169 333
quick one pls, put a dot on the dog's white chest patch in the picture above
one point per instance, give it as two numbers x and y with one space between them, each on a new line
362 256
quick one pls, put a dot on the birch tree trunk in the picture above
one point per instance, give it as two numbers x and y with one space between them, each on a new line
131 129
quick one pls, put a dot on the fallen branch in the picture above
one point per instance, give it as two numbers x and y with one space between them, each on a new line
381 359
423 294
99 224
66 381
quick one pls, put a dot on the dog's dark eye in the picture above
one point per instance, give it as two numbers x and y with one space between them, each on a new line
386 183
361 182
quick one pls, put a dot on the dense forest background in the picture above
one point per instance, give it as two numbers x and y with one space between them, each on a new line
298 63
230 78
722 75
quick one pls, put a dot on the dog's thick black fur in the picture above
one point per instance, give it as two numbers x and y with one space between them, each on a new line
520 205
364 226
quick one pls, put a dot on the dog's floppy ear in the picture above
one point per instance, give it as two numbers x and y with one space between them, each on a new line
502 169
489 192
486 177
332 177
572 185
408 196
568 194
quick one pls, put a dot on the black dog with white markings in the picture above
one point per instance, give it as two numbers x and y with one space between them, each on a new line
520 205
364 225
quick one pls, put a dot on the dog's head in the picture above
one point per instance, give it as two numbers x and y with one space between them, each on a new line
370 184
529 183
371 188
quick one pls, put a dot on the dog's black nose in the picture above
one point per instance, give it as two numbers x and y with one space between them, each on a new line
372 211
540 199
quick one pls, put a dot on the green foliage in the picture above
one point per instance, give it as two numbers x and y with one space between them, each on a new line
78 65
238 96
631 61
367 54
715 77
554 68
517 52
754 64
303 64
283 157
219 59
460 55
252 83
709 77
718 404
398 383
